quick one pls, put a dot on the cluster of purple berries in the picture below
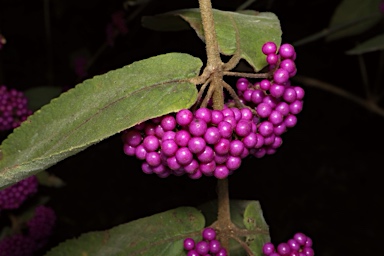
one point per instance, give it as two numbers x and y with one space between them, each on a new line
299 245
208 246
13 196
40 227
13 108
275 101
214 142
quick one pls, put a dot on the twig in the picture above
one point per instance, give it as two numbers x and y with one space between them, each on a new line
368 104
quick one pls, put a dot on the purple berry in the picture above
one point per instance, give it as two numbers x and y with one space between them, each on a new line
214 246
168 123
208 234
268 48
300 238
287 51
221 172
268 248
184 156
202 247
189 244
272 59
217 117
204 114
182 138
242 84
197 127
184 117
283 249
281 76
151 143
212 135
169 147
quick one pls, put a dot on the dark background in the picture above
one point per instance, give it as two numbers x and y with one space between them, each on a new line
324 181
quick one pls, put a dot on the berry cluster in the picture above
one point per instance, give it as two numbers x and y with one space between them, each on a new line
13 196
13 108
41 225
17 245
206 247
214 142
299 245
39 229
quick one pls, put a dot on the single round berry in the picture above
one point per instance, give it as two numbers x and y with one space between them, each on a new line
184 156
281 76
283 249
184 117
189 244
168 123
242 84
268 48
169 147
300 238
151 143
221 172
182 138
265 84
268 248
277 90
272 59
204 114
263 110
288 65
208 234
214 246
198 127
196 145
216 116
287 51
132 137
202 247
212 135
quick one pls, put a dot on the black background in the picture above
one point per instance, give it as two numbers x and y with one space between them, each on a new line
324 181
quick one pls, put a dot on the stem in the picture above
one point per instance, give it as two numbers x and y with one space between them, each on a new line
212 47
224 214
364 76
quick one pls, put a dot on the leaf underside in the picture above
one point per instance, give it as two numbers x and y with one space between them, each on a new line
246 31
159 234
97 109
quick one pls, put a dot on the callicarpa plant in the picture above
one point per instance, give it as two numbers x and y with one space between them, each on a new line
179 119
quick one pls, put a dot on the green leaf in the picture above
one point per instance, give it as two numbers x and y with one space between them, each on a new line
356 16
41 95
254 220
374 44
96 109
245 214
159 234
251 28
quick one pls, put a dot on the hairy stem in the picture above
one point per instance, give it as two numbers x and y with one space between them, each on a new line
211 44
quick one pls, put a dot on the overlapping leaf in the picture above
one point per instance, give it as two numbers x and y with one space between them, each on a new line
247 215
158 235
96 109
246 31
373 44
355 17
